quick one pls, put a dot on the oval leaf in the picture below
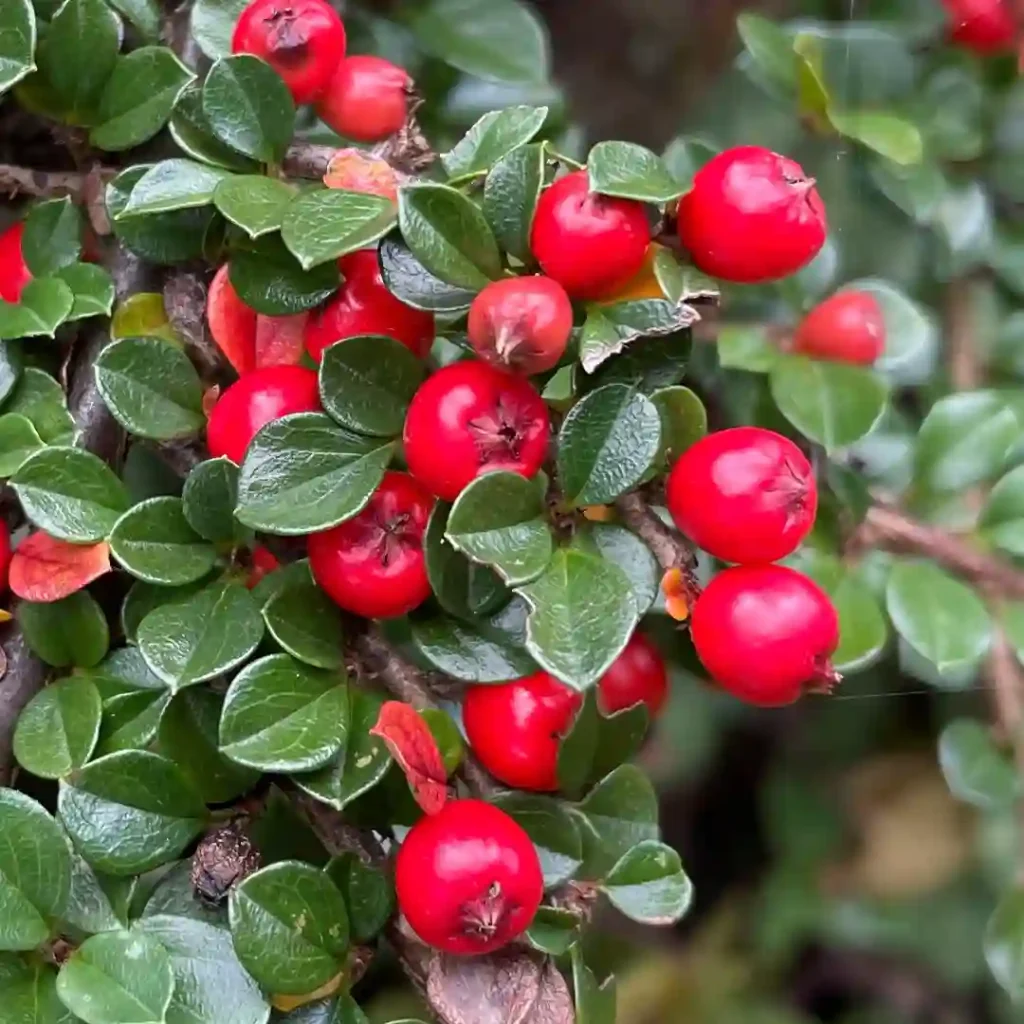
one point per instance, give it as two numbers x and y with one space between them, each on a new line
412 745
45 569
155 543
649 885
322 225
57 731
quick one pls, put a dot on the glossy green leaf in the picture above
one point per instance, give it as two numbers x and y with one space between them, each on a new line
72 631
194 136
131 720
40 399
96 902
863 632
270 280
322 224
17 42
553 930
620 812
625 549
595 1004
18 441
10 367
887 134
974 767
142 599
172 185
632 172
143 14
254 202
493 137
619 738
30 993
578 747
368 893
684 421
416 286
209 498
649 885
471 651
609 329
154 542
552 830
44 305
92 288
306 624
511 191
213 22
1004 943
52 238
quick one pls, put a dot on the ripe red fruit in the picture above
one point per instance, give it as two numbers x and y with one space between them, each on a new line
590 244
5 555
232 322
521 324
14 274
253 401
469 418
302 40
751 215
984 26
366 99
468 878
637 674
766 634
363 305
262 563
373 564
515 728
847 328
743 495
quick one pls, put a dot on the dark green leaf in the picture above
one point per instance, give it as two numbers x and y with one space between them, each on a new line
472 651
10 368
684 421
577 749
53 229
17 42
493 137
322 224
658 362
863 632
131 720
684 156
618 813
172 185
1004 943
213 21
609 329
209 498
40 399
770 47
144 598
552 830
72 631
411 282
887 134
143 14
511 192
595 1004
92 288
30 990
254 202
339 1009
96 902
269 279
553 930
747 348
194 136
626 550
649 885
154 542
306 624
175 895
45 304
18 441
619 738
632 172
975 769
368 893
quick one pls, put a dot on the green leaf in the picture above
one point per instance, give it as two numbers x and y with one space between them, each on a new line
249 108
96 902
632 172
138 97
368 894
911 332
887 134
72 631
118 978
747 348
71 494
684 421
367 382
17 42
30 992
606 444
1004 943
130 811
302 473
213 22
194 136
1002 519
470 651
411 282
322 224
492 138
619 738
174 894
10 368
449 235
35 872
578 748
171 185
625 549
40 399
582 613
863 632
975 769
131 720
143 14
499 520
965 439
283 716
551 829
940 617
269 279
18 441
493 39
553 930
253 202
770 47
649 885
53 229
154 542
142 599
289 927
209 498
92 288
306 624
684 156
834 404
617 814
205 635
609 329
511 192
45 304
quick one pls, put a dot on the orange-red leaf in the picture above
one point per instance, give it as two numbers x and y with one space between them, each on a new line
356 171
46 569
413 746
279 339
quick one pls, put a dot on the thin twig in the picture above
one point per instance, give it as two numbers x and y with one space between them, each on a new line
671 548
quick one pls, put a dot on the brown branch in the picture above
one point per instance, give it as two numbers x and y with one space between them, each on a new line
671 548
23 677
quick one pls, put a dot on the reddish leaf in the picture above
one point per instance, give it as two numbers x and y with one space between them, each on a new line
413 746
279 339
45 569
232 323
356 171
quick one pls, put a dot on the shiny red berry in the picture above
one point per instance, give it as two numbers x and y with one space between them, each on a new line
751 215
521 324
515 728
262 563
847 328
253 401
743 495
5 555
372 565
232 322
363 305
468 879
14 274
984 26
637 674
766 634
367 99
468 419
590 244
302 40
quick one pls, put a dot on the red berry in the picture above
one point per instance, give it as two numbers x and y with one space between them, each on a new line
515 728
469 418
766 634
366 99
744 495
590 244
848 328
373 564
751 216
365 306
521 324
232 322
468 878
5 555
302 40
637 674
263 562
253 401
984 26
14 274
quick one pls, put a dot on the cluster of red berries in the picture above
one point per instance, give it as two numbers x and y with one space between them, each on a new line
361 97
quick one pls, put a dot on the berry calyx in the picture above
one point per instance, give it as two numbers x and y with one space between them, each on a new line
367 99
372 565
637 675
363 305
253 401
302 40
766 634
14 273
589 243
5 555
847 328
984 26
470 418
744 495
468 879
521 324
515 728
751 216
